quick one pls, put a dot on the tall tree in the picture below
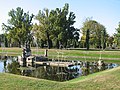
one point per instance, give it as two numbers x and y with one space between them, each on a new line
63 29
3 40
19 26
117 35
96 32
110 41
56 26
104 37
87 39
44 26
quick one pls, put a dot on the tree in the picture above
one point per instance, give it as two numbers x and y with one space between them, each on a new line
63 29
3 40
96 32
44 26
104 38
117 35
56 26
19 26
76 38
87 39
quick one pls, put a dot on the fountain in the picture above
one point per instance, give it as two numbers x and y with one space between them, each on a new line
53 69
27 56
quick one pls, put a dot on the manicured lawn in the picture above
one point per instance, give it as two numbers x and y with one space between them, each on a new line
107 56
105 80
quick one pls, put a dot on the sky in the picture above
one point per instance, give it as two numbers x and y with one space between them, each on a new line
106 12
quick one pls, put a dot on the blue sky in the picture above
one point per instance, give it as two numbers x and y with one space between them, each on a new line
105 12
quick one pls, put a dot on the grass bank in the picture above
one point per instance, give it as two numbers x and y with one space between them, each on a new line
105 80
108 56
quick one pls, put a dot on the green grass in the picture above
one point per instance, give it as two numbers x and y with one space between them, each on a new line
108 56
105 80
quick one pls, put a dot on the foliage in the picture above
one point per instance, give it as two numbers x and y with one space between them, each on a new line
97 33
11 67
87 39
117 35
110 41
56 26
56 29
43 29
19 26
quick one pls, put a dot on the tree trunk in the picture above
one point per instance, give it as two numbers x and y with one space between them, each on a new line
19 43
57 44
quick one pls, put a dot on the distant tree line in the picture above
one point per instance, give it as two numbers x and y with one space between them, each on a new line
55 29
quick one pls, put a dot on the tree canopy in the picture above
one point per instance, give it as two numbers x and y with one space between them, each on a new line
97 33
19 26
55 29
56 26
117 35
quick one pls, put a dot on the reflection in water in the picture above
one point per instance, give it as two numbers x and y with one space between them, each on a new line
53 72
13 67
5 65
49 72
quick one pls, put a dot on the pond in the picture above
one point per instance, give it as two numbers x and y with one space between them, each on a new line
56 73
